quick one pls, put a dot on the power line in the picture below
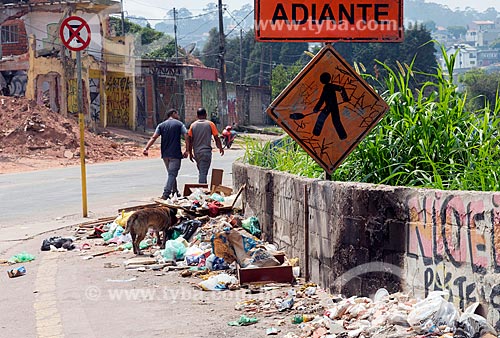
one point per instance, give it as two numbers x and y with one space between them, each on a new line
168 19
238 23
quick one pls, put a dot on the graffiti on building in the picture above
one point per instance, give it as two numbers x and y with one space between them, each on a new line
455 239
209 97
13 83
95 99
118 101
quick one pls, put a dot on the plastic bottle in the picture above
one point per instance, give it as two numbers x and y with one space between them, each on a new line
297 319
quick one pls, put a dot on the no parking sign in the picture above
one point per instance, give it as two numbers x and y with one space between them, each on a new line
75 33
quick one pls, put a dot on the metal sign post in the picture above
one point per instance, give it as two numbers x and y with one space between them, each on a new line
75 35
82 132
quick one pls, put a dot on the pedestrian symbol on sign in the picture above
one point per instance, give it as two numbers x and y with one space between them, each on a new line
328 109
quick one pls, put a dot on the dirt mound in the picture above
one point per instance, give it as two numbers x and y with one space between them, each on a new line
28 130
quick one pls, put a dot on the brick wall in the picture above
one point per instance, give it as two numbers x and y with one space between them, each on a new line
192 99
21 46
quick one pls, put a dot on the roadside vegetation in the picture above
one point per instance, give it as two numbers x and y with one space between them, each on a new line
429 138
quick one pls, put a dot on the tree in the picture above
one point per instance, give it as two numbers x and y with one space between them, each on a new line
165 52
210 53
430 25
482 88
148 40
416 45
282 76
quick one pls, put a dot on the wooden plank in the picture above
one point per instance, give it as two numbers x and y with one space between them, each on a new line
140 261
138 207
238 195
92 224
216 178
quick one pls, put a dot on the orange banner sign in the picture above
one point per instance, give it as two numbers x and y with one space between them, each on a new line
329 21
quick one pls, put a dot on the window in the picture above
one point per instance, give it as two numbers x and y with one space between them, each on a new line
9 34
472 55
473 62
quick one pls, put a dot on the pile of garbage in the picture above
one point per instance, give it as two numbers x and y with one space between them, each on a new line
201 202
216 248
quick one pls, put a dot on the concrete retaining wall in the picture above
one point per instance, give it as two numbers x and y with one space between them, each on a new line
355 238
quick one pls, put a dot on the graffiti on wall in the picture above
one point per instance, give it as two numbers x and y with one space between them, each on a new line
118 101
455 240
231 108
13 83
209 97
95 99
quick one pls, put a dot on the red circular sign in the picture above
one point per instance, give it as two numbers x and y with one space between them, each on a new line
75 33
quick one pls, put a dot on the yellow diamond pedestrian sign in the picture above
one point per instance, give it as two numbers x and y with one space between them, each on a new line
328 109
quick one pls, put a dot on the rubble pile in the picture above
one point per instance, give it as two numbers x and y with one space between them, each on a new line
31 130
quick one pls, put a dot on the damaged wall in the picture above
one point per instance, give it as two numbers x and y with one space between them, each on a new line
360 237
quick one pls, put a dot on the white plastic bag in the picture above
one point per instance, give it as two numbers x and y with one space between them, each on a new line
432 312
218 282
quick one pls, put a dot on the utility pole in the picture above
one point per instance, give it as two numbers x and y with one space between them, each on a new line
1 37
241 56
222 65
123 20
261 69
175 37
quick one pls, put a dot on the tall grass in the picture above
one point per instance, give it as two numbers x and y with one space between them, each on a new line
427 139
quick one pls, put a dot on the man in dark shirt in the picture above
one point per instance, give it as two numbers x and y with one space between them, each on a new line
170 131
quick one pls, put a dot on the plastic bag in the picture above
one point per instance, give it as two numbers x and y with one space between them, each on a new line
123 218
252 226
217 197
58 242
185 229
471 325
216 263
218 282
174 250
21 258
432 312
194 255
243 321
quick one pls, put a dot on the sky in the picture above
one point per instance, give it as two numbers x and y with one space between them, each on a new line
157 9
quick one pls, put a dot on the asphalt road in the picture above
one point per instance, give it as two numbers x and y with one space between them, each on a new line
35 202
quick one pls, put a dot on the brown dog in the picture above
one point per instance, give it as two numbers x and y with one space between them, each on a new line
160 219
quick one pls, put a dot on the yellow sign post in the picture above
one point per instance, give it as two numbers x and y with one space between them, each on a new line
75 35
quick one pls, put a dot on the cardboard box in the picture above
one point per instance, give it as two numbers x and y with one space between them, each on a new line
20 271
276 274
